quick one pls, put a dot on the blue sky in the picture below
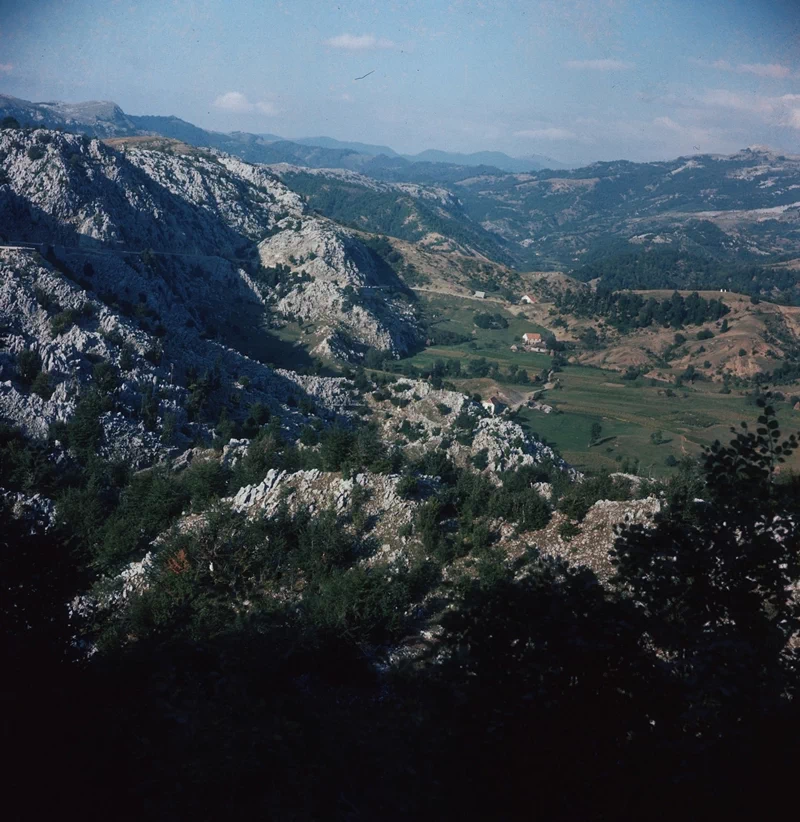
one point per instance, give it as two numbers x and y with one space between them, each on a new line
577 80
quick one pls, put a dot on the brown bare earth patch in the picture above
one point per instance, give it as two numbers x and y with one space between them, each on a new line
751 329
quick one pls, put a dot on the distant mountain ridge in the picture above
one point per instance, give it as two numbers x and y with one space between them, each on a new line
361 148
690 212
495 159
106 119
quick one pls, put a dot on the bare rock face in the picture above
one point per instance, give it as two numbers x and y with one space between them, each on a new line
131 580
71 331
316 490
155 320
137 362
431 193
195 213
66 189
129 441
333 346
30 412
37 511
592 545
508 446
335 283
375 495
429 416
331 394
234 451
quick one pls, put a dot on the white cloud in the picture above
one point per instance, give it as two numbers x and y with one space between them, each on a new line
723 65
693 133
771 111
550 133
6 68
660 136
754 103
790 108
599 65
765 69
781 111
237 103
773 70
685 139
359 42
749 108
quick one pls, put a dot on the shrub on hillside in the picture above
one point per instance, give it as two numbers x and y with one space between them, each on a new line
105 376
62 321
42 386
29 364
487 321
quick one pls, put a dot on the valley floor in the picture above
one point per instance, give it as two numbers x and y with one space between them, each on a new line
646 423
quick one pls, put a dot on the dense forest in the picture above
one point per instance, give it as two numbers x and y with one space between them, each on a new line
672 268
625 311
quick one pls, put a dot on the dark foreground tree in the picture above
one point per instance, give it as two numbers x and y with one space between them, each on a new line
670 694
715 588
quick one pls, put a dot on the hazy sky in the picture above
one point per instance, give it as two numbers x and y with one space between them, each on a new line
577 80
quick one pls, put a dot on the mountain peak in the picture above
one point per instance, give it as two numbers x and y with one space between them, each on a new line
89 112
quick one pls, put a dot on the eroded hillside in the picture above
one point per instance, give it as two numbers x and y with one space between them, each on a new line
199 211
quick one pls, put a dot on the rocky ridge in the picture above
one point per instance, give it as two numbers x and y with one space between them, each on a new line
44 311
336 285
38 512
376 496
419 417
145 279
199 210
591 546
431 193
392 540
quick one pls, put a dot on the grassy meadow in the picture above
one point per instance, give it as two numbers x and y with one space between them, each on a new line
629 411
456 314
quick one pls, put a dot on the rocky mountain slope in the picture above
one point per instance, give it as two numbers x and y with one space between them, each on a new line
198 214
147 270
431 215
106 119
166 382
710 210
330 591
153 270
707 212
99 118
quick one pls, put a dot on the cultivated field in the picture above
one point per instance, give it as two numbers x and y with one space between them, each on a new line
629 411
